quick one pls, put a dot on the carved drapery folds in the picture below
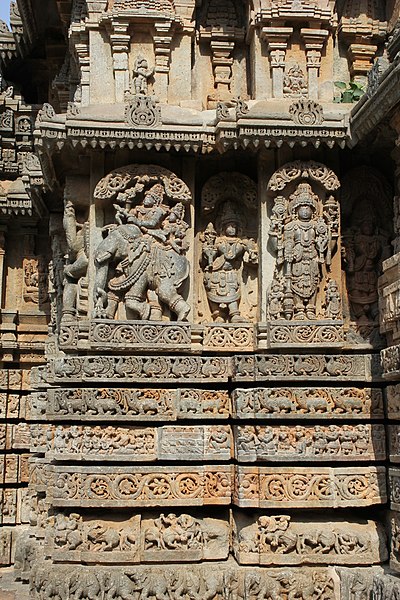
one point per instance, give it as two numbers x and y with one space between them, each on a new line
229 252
141 262
367 214
304 237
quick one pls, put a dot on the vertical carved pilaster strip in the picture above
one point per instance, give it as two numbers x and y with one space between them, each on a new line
277 40
120 48
314 41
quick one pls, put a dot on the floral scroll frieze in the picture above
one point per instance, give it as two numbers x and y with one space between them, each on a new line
143 486
305 367
298 487
111 334
136 368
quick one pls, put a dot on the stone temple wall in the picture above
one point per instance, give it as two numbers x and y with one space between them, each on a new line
199 388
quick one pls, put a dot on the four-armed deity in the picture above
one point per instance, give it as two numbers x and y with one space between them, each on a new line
142 269
144 251
303 240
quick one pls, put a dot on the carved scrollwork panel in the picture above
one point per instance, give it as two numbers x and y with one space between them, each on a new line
307 367
137 368
297 487
120 487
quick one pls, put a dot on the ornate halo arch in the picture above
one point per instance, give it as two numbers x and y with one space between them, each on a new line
299 170
132 180
228 186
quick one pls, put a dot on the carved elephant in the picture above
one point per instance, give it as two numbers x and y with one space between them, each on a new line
146 266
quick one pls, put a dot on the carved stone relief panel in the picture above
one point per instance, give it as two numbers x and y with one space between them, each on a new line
141 265
282 540
308 403
367 214
202 443
304 242
319 443
140 368
214 582
169 538
306 367
228 251
137 404
122 487
302 487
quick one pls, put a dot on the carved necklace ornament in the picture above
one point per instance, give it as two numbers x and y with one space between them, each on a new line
141 262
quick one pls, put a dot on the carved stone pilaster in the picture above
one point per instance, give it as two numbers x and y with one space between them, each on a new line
314 42
120 47
277 43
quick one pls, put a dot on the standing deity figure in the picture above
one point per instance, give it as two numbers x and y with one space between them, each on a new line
77 263
304 245
223 256
142 74
364 249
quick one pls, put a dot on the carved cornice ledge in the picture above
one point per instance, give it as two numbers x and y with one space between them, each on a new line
369 112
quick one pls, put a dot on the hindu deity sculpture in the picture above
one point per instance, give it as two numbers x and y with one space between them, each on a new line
302 238
224 253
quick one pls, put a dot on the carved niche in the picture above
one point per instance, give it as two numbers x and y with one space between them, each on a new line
367 215
304 240
228 250
141 264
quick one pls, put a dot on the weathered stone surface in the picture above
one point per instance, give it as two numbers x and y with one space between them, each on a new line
393 401
319 443
308 403
210 581
304 487
137 404
203 443
122 487
305 367
394 487
137 368
166 538
391 362
280 540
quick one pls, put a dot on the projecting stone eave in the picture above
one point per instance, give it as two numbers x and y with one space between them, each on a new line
266 123
377 106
